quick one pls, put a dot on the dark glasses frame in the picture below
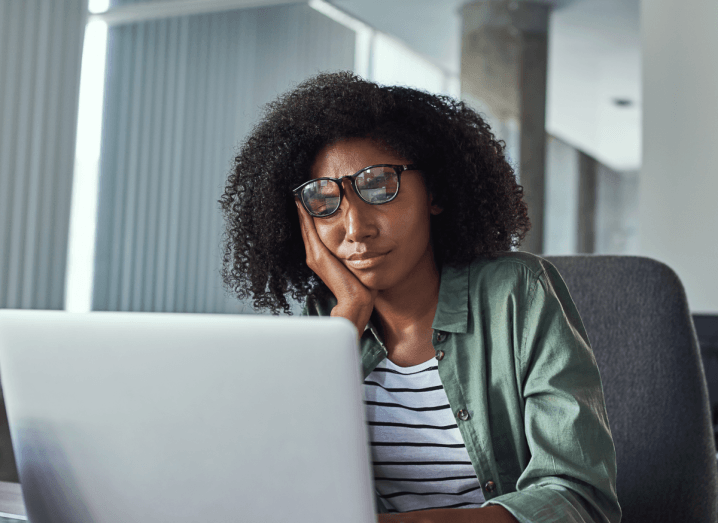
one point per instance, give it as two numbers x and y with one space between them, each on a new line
398 169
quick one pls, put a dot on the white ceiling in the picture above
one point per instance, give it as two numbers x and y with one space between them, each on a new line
594 58
430 27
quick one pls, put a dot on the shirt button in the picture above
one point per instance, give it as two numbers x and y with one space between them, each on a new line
439 355
463 415
490 486
441 336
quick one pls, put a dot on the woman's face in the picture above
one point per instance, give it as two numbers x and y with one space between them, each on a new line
380 244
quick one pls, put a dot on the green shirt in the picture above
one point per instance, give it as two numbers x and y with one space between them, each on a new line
524 386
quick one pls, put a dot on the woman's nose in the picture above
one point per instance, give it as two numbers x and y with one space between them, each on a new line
359 223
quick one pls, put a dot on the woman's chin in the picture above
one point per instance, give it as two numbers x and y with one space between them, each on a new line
372 280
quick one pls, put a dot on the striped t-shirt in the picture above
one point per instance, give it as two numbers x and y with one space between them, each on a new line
419 457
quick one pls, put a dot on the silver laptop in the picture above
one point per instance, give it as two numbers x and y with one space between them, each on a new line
119 417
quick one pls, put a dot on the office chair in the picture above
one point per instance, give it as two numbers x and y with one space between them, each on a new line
636 314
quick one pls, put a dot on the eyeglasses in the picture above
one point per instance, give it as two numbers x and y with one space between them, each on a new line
375 185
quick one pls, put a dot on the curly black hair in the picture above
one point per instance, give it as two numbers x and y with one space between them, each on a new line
463 165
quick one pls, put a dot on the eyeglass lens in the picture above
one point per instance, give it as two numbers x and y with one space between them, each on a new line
376 185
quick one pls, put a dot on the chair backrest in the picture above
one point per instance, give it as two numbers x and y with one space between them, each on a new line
636 314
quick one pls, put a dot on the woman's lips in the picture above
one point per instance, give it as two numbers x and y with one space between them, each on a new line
366 261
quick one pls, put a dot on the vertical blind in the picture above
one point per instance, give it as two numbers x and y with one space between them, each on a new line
40 55
180 95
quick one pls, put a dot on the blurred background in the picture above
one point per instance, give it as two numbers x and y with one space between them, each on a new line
119 120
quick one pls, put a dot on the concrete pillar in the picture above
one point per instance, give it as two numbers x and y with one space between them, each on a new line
587 184
503 66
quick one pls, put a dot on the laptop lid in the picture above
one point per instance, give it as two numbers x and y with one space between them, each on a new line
120 417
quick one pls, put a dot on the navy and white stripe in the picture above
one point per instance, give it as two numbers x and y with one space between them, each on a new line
420 461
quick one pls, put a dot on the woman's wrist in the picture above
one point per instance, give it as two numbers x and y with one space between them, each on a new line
358 314
490 514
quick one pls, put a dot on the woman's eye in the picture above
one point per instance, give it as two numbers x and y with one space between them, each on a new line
378 181
327 205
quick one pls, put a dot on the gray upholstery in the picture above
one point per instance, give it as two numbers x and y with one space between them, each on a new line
637 318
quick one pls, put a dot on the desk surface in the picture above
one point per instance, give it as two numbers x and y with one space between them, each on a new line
11 503
7 519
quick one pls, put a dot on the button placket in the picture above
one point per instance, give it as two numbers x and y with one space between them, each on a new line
440 338
462 415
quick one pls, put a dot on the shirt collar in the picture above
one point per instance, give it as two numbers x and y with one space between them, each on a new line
452 312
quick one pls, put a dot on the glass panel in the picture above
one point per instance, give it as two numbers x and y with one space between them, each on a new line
378 185
322 196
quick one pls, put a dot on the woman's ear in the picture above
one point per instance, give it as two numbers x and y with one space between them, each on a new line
433 208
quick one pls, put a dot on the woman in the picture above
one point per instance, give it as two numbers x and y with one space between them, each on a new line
397 210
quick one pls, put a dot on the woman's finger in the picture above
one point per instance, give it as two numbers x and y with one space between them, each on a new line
354 301
320 259
312 243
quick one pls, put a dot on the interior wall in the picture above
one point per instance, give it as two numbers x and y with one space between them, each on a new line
181 94
677 212
40 52
616 211
561 198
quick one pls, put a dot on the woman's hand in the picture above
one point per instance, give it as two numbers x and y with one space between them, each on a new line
355 302
490 514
